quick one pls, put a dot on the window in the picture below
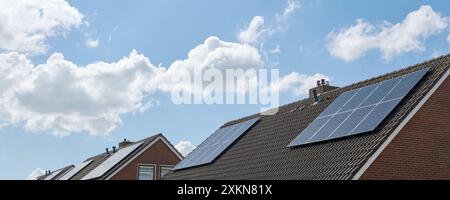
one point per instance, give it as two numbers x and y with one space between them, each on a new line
163 170
146 172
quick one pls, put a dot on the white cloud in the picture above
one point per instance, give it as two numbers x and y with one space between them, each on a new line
35 174
291 6
184 147
277 49
391 39
448 39
298 84
92 43
254 31
25 25
61 97
213 53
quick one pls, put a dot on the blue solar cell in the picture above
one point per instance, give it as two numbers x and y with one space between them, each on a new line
309 131
112 161
215 145
338 103
381 91
356 100
375 117
352 121
330 126
75 170
360 110
406 85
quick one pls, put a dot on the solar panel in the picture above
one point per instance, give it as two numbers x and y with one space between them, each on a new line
215 144
53 174
75 170
112 161
358 111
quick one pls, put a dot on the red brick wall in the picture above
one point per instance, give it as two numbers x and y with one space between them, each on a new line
157 154
421 150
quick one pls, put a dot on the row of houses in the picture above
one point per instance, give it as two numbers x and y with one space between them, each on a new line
394 126
147 159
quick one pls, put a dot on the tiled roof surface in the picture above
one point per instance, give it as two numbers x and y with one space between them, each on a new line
262 153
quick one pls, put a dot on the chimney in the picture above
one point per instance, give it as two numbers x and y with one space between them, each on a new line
124 143
107 150
316 98
114 149
322 87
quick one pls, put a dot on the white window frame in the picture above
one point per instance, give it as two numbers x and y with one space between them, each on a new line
146 165
162 166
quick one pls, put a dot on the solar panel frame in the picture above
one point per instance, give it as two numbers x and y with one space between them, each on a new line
112 161
215 145
378 104
74 171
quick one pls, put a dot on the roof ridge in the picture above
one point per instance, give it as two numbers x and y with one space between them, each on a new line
347 87
152 137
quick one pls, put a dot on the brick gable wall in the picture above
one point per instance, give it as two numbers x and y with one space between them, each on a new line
421 150
158 154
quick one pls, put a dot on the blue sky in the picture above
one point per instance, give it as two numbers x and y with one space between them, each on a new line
166 31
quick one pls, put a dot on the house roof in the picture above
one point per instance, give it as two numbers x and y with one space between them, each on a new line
262 152
54 175
96 160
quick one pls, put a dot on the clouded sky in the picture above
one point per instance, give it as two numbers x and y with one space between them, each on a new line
77 76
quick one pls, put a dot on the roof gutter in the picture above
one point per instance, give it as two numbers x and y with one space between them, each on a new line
400 127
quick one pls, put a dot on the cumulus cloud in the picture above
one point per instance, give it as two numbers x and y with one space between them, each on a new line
297 84
254 31
213 53
92 43
258 31
291 6
62 97
25 25
277 49
35 174
184 147
390 39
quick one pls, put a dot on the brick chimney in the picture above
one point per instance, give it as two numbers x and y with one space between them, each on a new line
124 143
322 87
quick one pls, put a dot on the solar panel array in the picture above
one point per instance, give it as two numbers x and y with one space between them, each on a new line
358 111
53 174
112 161
214 145
72 172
